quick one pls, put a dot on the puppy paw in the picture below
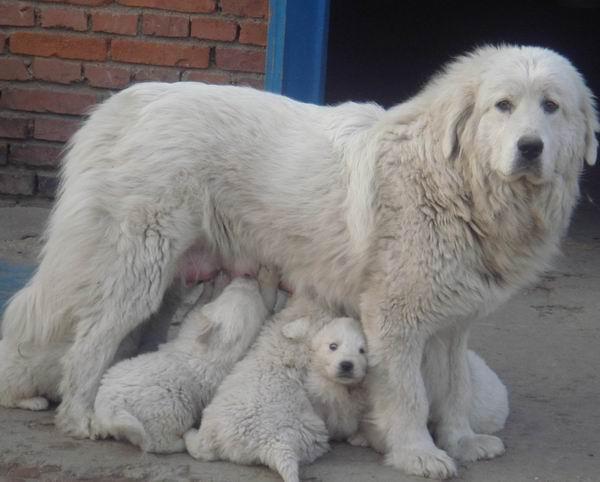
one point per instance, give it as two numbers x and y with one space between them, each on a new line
195 447
358 440
74 422
426 461
33 403
476 447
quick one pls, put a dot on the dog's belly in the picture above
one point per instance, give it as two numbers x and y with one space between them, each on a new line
200 264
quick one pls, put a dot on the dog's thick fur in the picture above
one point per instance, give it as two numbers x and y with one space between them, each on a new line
282 403
425 213
153 399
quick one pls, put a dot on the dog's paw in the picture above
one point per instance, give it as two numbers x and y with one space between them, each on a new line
74 422
359 440
33 403
427 461
195 447
476 447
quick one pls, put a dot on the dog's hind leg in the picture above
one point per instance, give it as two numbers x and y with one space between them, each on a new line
33 403
129 285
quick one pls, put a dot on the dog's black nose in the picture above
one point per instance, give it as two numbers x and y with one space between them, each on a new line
346 366
530 147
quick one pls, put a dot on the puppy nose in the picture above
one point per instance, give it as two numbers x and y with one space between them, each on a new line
346 366
530 147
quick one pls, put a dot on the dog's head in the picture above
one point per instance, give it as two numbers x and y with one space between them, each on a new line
339 351
524 112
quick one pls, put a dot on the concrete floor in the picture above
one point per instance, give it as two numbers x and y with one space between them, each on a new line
544 344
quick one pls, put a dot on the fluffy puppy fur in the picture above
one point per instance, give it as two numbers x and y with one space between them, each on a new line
282 402
153 399
30 374
416 220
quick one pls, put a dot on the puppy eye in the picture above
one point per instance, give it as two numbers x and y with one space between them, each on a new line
333 346
549 106
504 105
361 351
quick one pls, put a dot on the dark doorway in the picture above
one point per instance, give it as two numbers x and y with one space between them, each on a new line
385 50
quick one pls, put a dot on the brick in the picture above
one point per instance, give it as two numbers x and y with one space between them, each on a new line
17 183
240 60
166 25
154 53
253 33
107 77
245 8
3 38
157 74
13 127
190 6
17 14
119 23
89 3
64 18
35 155
57 45
206 76
55 129
255 81
55 70
47 185
214 29
42 100
13 69
3 153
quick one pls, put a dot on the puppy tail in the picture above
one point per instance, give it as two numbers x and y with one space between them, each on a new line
125 426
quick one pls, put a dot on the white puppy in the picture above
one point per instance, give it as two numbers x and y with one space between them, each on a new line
338 366
488 404
151 400
29 375
278 403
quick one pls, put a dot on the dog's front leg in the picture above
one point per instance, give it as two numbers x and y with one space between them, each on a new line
398 398
454 432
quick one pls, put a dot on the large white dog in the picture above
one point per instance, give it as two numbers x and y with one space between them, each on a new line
417 219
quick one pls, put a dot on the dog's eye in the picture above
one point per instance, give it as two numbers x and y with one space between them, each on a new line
333 346
504 105
361 351
549 106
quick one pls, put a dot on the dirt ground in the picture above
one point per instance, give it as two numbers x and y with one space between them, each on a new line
544 344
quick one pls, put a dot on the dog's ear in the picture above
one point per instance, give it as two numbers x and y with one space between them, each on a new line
297 329
453 116
592 126
206 328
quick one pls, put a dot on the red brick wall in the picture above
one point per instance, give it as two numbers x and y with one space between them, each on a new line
59 57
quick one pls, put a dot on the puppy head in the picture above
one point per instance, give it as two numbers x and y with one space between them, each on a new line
339 351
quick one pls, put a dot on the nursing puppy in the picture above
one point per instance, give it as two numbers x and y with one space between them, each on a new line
416 221
153 399
296 388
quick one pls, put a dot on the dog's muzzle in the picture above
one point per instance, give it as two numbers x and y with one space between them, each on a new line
530 149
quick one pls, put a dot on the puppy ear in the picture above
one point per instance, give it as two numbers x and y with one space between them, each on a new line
206 328
453 117
295 330
592 126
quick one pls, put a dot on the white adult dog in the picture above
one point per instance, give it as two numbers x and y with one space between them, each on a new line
417 220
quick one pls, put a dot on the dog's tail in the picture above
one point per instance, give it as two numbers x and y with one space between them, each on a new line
35 315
